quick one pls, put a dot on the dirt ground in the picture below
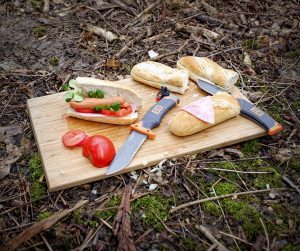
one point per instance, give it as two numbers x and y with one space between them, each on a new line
43 44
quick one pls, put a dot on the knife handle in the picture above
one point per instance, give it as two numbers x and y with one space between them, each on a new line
154 116
252 112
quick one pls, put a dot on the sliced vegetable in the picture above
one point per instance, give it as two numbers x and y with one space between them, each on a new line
99 149
125 110
74 138
86 110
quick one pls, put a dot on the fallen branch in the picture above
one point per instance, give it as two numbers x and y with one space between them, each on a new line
121 224
219 197
39 227
291 183
209 236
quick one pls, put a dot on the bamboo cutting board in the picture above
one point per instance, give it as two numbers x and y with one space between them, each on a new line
66 168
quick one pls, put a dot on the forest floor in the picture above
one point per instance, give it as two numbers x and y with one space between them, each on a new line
45 43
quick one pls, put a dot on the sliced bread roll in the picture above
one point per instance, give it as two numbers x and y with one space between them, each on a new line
125 120
225 107
206 69
110 88
157 75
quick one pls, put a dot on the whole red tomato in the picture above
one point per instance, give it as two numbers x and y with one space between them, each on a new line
99 149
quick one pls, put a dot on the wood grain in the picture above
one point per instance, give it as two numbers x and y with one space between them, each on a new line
66 168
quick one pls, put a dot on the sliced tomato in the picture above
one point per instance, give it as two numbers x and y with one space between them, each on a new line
74 138
125 110
85 110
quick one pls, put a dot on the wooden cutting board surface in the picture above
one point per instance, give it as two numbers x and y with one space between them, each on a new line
66 168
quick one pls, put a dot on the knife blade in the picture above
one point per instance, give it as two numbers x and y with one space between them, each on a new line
248 109
141 132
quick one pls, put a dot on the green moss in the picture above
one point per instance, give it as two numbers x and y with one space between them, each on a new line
189 244
127 68
43 215
54 61
251 44
78 216
293 54
37 190
251 147
163 247
276 112
246 215
295 163
93 224
152 207
40 31
36 4
291 247
225 188
114 201
211 208
274 179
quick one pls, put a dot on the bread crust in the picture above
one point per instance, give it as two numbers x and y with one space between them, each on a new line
202 67
125 120
225 107
110 88
157 75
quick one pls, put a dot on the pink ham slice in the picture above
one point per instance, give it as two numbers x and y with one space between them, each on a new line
202 109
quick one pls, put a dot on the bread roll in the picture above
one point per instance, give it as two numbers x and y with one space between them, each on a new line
225 107
206 69
157 75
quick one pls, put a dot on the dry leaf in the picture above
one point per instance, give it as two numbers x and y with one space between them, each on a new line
13 154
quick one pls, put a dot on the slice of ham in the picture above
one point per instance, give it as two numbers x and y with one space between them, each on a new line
202 109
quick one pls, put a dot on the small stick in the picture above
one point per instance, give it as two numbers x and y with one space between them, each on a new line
209 236
226 50
47 243
166 227
219 197
130 43
212 247
46 6
40 226
291 183
234 171
237 238
106 224
266 233
124 7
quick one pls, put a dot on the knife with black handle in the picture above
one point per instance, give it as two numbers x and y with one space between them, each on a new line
140 132
247 109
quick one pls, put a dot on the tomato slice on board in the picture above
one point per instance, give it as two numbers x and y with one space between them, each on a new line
74 138
125 110
85 110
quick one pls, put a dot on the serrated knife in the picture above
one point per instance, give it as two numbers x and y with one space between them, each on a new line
140 132
247 109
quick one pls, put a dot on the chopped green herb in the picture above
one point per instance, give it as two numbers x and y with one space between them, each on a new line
78 97
99 94
115 107
75 92
68 96
92 94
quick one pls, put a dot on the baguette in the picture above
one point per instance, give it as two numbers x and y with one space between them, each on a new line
158 75
206 69
225 107
113 93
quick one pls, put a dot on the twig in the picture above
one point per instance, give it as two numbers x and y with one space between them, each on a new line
266 233
220 197
46 243
39 227
139 239
46 6
148 9
106 224
226 50
130 43
237 238
166 227
16 227
291 183
209 236
212 247
124 7
173 52
234 171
